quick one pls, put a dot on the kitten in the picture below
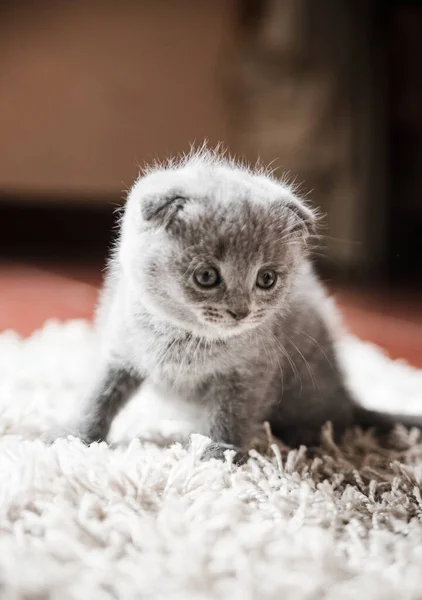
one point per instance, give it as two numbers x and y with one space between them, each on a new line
210 296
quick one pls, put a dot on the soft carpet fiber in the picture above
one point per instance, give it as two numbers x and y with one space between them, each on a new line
147 519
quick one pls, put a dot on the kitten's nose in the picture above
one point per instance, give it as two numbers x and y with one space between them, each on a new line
239 313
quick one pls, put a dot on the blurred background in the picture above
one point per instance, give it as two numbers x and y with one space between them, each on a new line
328 90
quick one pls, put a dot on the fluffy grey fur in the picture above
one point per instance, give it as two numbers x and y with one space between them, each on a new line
210 295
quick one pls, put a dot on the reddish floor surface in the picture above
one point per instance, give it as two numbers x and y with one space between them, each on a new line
30 295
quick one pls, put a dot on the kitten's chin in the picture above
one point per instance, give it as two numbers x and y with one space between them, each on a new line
228 331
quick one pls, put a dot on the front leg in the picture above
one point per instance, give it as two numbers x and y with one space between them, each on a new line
230 415
112 390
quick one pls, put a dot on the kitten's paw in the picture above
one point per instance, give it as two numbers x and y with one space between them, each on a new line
218 450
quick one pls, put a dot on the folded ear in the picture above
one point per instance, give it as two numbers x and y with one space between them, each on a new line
304 219
161 208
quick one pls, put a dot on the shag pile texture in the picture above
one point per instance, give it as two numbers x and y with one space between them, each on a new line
148 520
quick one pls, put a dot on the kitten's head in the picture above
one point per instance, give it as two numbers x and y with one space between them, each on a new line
212 247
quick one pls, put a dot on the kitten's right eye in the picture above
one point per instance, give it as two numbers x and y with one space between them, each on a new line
207 277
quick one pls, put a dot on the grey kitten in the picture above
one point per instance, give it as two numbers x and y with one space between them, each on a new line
210 296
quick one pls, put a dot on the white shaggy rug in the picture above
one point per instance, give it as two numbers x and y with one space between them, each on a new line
150 521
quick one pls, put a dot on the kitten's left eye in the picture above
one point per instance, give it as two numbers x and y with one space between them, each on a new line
266 279
207 277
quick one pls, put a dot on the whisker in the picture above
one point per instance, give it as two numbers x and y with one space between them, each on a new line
311 374
279 368
165 354
179 371
286 356
194 360
301 332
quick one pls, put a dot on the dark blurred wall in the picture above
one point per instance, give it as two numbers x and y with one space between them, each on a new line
405 102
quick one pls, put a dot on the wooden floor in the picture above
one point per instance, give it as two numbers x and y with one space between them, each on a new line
30 294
